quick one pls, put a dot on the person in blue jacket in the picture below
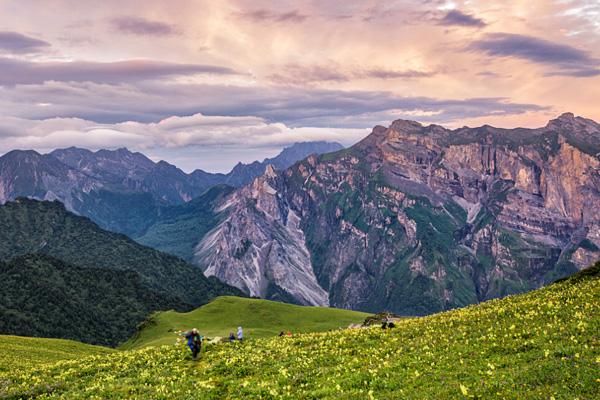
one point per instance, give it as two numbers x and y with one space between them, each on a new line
194 342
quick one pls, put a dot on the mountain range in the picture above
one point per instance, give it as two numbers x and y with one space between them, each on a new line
415 219
121 190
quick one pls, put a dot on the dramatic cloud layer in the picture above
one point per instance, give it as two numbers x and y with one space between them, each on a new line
566 60
192 81
17 43
456 17
16 71
141 26
312 107
171 135
296 74
172 132
269 16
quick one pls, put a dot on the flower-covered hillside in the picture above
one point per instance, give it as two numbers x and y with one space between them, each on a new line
540 345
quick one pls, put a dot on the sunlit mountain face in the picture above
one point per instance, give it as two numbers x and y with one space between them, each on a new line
205 84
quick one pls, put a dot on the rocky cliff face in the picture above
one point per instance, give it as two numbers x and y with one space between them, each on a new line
261 247
416 219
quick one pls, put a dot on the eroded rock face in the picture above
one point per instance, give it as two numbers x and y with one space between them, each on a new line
260 247
416 219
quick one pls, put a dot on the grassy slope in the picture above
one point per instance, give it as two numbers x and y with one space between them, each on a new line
260 318
19 352
539 345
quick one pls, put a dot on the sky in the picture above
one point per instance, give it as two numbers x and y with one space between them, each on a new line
205 84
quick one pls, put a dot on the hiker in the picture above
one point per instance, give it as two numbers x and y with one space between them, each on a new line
240 334
281 334
194 342
231 337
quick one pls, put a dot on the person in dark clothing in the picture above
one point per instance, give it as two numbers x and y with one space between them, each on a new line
194 342
231 337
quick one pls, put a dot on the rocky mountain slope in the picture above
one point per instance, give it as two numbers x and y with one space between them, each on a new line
133 171
416 219
120 190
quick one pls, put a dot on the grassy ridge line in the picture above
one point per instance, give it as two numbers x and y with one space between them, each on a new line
20 352
540 345
259 318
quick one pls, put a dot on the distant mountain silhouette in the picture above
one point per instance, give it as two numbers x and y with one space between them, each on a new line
121 190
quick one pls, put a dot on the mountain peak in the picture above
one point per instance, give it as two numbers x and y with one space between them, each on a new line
243 174
406 125
270 171
565 118
22 153
301 150
569 120
568 116
73 148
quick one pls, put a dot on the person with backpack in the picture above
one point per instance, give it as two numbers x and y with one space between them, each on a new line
194 342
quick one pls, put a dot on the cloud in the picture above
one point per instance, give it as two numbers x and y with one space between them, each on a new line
294 106
293 74
395 74
458 18
171 133
17 43
213 143
565 60
143 27
296 74
270 16
16 71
